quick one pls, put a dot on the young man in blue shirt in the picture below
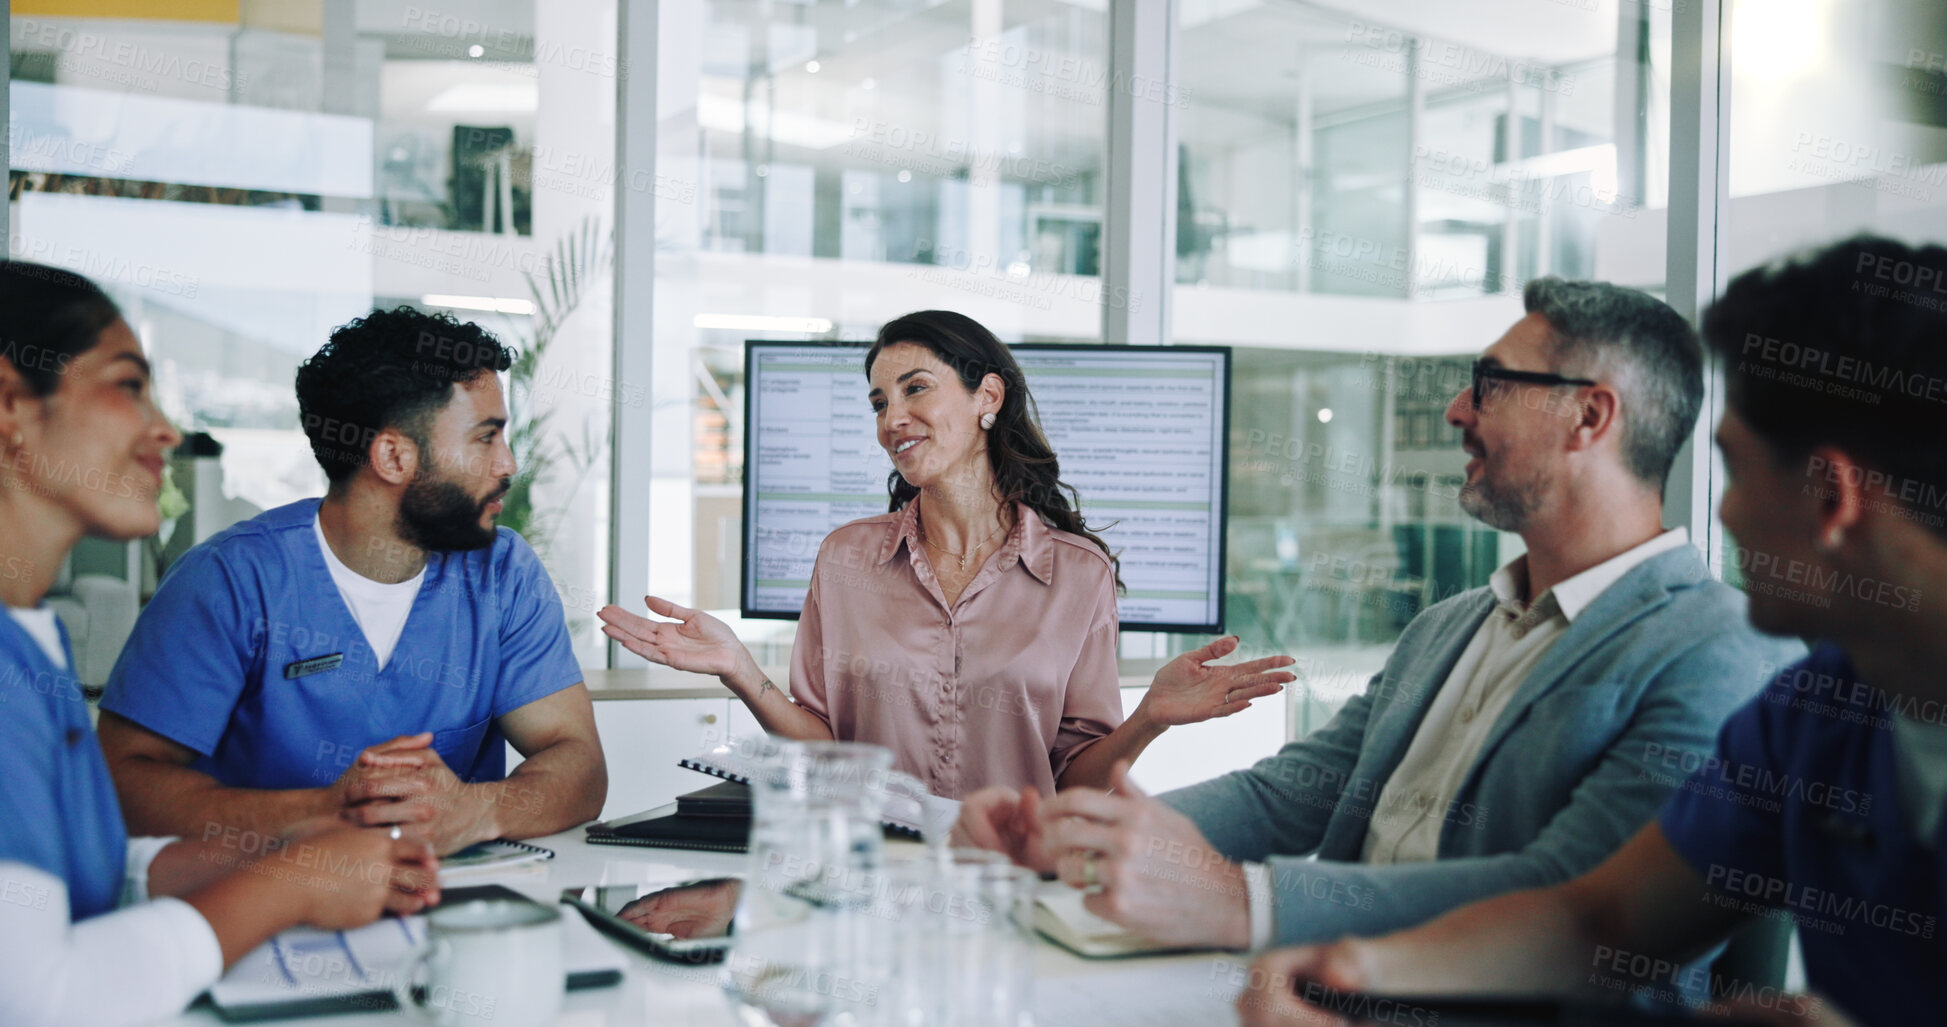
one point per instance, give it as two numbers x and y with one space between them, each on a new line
1823 800
367 654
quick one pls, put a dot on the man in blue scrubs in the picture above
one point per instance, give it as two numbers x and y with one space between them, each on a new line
365 655
1823 801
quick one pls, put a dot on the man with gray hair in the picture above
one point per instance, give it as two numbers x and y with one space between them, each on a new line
1519 732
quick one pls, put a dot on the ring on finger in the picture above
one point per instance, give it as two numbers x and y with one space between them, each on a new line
1092 874
396 833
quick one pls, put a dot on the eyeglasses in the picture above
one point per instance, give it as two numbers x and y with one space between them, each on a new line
1484 372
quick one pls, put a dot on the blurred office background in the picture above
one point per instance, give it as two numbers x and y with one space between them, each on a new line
1360 191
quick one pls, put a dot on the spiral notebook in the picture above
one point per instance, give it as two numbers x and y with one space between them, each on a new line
492 859
911 811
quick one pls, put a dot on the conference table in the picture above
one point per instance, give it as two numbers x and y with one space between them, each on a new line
1070 991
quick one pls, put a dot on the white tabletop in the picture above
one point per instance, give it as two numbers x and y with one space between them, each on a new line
1069 990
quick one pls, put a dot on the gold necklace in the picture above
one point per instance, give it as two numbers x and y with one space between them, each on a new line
962 557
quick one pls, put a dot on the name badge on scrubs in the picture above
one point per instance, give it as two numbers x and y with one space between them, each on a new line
314 665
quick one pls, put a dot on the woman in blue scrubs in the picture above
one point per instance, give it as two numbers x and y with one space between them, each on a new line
97 928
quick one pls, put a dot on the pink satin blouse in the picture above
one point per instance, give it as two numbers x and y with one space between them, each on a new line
1006 687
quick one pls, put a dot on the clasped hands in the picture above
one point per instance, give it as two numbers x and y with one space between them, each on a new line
404 782
1144 865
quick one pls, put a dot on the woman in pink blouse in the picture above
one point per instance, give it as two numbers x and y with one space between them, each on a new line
971 630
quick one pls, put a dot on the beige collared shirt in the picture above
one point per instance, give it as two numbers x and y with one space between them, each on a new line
1414 805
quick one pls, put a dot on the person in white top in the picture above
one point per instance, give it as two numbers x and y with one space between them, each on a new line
97 929
1518 732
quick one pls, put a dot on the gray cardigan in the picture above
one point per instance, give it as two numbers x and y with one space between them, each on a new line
1576 764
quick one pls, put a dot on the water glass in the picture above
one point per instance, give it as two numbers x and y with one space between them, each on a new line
810 947
963 941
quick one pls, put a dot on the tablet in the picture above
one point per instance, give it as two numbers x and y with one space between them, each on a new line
687 922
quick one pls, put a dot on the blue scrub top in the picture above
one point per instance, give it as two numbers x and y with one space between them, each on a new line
58 811
238 657
1799 814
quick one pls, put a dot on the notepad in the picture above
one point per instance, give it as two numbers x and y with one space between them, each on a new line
1060 915
304 972
492 859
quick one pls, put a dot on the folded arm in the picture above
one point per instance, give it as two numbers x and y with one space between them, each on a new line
563 780
162 795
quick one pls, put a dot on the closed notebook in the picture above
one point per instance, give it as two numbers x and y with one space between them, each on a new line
668 827
1060 916
728 799
910 810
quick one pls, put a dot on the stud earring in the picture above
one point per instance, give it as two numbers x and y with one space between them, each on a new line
986 421
20 439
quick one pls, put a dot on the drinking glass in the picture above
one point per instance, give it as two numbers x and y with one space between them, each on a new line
963 941
810 947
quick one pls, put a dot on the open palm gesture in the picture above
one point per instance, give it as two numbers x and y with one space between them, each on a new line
1190 688
692 640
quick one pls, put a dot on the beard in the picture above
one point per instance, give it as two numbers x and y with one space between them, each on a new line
1505 506
439 515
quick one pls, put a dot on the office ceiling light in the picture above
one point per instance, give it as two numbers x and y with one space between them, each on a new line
488 303
487 98
812 67
764 323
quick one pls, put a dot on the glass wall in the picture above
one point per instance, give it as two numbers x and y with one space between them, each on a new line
824 168
1838 126
1362 197
244 177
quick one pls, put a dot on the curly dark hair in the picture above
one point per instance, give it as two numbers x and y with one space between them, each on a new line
389 369
1025 467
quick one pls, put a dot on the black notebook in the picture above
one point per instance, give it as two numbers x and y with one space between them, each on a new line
716 819
729 799
907 808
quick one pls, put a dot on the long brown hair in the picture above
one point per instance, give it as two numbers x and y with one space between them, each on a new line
1024 465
